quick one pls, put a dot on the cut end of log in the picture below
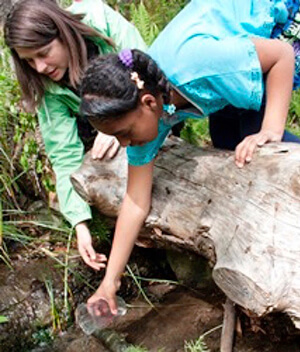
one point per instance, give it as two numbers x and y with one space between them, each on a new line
243 291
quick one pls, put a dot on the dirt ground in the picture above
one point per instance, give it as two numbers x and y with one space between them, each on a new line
181 316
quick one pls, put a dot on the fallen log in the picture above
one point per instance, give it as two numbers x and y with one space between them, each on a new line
246 222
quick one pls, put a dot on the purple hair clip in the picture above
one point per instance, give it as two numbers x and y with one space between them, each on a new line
126 58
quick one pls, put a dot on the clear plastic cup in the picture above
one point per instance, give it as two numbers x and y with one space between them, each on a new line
97 316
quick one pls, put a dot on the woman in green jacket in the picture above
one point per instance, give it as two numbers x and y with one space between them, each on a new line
50 48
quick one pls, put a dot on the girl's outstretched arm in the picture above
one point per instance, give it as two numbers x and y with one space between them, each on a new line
277 62
134 210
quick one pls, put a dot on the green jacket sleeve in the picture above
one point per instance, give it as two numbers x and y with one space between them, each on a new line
65 151
59 128
104 19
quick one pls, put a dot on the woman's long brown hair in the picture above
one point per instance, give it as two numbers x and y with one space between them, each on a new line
34 24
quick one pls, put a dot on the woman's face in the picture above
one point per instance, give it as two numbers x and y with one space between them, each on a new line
137 127
51 60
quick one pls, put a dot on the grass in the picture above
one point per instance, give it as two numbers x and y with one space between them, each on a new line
139 286
199 345
3 319
136 349
56 321
67 308
71 270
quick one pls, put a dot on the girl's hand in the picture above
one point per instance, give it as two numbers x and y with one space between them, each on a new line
105 145
244 151
107 291
86 250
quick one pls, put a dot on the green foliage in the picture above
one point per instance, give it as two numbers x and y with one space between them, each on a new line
99 227
141 18
196 346
1 224
3 319
199 345
56 319
136 349
19 150
8 101
139 286
196 132
162 11
65 3
20 158
44 336
293 124
149 16
141 349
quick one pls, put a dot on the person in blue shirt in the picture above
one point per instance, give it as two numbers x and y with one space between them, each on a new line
214 55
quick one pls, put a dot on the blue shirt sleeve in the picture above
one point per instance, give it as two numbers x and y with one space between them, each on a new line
223 72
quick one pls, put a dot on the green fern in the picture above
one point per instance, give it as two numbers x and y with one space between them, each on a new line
162 11
149 16
140 17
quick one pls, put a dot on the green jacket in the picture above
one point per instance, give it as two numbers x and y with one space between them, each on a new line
56 113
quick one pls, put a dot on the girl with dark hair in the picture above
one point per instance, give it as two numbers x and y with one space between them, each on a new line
214 54
51 47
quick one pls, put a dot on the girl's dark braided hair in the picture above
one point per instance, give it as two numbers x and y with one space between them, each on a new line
108 92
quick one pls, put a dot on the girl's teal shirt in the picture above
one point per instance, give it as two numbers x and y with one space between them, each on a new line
60 105
207 54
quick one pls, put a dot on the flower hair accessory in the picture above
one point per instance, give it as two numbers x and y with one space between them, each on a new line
126 58
134 76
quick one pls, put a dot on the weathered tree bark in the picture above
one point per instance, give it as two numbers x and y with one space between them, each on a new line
246 222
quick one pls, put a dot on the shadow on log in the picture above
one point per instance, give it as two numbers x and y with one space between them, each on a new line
246 222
